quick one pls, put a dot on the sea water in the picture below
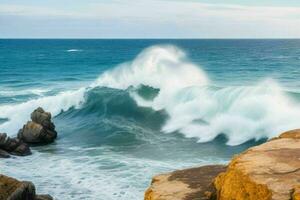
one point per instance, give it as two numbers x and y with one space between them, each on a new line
126 110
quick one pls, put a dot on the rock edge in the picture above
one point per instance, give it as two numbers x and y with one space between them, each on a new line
270 171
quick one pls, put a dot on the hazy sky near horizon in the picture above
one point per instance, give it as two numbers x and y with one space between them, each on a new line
150 19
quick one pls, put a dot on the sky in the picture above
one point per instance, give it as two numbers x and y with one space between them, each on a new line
150 19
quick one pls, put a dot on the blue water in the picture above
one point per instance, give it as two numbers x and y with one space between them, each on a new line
126 110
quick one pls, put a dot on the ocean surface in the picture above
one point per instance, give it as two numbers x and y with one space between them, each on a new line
126 110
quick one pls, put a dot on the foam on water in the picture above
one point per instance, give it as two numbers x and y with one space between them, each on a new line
9 92
72 169
18 114
105 175
195 107
241 113
73 50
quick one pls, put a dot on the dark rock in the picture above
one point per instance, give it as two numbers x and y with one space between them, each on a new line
3 137
43 118
4 154
21 150
40 130
33 132
12 189
43 197
12 146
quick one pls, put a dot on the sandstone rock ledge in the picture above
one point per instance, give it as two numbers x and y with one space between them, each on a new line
194 183
267 171
270 171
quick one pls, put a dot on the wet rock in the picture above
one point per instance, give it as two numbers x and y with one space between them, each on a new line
187 184
22 149
12 189
4 154
33 132
40 130
12 146
43 197
43 118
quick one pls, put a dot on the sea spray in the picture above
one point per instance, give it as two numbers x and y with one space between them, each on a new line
17 115
195 106
198 109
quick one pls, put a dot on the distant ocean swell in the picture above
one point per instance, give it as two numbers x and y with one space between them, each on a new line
162 78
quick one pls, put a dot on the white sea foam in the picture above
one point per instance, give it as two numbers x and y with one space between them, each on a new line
195 108
198 110
106 175
73 50
162 67
18 114
8 92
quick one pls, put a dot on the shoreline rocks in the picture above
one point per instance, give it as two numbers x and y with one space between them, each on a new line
187 184
40 130
264 172
12 189
268 171
12 146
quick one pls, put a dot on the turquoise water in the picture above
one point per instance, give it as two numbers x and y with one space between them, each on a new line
126 110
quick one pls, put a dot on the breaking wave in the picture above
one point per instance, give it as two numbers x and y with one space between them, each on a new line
163 79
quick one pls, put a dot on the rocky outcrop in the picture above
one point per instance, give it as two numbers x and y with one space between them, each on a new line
12 146
267 171
270 171
188 184
12 189
296 193
295 134
39 130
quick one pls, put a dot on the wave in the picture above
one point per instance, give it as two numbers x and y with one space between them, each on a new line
17 114
196 108
73 50
5 92
240 113
163 79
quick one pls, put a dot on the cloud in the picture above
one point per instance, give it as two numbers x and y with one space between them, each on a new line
155 9
29 11
185 18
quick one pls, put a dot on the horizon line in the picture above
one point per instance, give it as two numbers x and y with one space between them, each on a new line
137 38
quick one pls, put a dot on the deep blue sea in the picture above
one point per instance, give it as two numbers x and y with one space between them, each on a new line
126 110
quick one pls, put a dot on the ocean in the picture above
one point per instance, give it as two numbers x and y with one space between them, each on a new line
126 110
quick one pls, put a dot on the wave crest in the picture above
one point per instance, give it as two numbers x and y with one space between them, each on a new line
17 115
195 107
240 113
163 67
